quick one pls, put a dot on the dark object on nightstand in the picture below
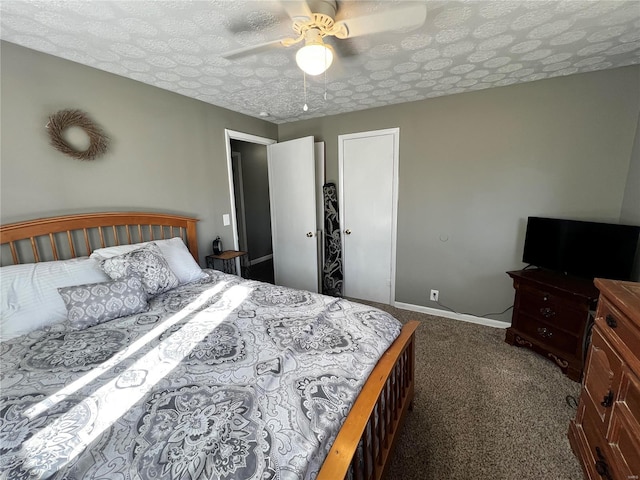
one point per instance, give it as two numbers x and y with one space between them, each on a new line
605 434
217 246
553 315
228 259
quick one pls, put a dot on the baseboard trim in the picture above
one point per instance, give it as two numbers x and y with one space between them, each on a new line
256 261
455 316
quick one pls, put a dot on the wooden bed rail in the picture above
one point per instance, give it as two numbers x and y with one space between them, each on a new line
74 233
376 415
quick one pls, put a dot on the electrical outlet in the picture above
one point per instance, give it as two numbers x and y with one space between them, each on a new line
434 295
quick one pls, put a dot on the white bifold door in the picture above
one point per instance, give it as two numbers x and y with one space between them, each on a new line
368 169
292 193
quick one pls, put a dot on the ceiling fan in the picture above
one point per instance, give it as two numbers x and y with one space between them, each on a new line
316 19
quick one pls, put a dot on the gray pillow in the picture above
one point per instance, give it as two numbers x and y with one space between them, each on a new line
148 264
94 303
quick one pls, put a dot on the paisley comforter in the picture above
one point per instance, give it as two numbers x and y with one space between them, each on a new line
221 379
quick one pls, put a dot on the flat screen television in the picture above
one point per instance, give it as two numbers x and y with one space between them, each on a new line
581 249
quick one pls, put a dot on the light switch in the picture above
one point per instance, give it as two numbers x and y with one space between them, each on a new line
226 220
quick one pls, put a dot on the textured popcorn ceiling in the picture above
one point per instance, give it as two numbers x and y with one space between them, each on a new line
463 46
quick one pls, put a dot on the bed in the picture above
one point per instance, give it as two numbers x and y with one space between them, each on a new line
215 377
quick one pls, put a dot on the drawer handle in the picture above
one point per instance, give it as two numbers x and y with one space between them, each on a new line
611 321
607 401
547 312
601 465
544 332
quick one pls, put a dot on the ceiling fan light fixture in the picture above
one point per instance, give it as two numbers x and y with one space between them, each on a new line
315 57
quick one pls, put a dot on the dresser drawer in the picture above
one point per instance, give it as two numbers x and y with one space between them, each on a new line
548 334
616 325
598 447
602 376
553 309
579 436
624 444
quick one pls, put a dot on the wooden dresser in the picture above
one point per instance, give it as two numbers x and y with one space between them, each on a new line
605 435
552 315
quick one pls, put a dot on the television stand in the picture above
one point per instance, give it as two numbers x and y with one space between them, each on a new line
553 315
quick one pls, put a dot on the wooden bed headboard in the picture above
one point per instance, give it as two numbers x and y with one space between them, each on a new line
71 236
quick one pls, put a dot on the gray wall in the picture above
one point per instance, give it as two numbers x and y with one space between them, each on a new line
474 166
255 178
168 152
630 213
631 203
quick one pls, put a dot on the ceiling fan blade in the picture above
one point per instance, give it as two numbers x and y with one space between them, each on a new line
336 70
392 19
342 47
252 50
297 9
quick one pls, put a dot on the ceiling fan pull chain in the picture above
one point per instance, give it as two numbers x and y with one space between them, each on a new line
304 76
325 78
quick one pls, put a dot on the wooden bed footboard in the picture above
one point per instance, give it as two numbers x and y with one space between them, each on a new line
368 435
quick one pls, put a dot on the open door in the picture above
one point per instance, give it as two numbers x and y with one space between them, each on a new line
292 193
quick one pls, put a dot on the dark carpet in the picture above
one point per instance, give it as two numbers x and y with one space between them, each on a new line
483 409
262 271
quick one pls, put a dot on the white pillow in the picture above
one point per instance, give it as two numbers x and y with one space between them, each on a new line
173 250
30 298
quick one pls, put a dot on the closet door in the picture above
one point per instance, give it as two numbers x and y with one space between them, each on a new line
368 165
292 193
320 176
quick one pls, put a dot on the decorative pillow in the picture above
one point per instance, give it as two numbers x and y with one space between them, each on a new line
148 264
94 303
174 251
29 293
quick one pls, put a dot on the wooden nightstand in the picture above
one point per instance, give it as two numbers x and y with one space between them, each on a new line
553 315
228 259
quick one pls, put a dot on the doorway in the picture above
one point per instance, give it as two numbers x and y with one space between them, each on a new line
253 214
295 177
250 208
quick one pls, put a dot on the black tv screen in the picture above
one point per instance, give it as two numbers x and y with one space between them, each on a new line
582 249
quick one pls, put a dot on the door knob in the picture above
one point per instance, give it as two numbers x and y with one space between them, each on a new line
309 234
347 231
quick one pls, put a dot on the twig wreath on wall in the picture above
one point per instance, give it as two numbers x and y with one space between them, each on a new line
64 119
